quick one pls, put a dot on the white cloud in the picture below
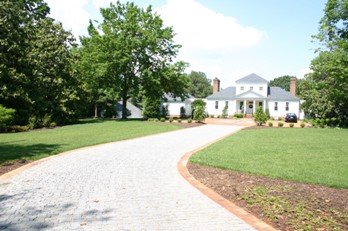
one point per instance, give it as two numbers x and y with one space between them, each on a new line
101 3
71 14
200 28
304 71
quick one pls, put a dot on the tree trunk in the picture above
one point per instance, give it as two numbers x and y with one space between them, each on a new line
124 107
95 111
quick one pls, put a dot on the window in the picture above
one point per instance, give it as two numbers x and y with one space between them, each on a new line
287 106
241 105
226 104
260 104
261 88
242 88
251 88
216 104
276 106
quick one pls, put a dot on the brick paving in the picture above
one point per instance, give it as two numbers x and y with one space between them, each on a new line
127 185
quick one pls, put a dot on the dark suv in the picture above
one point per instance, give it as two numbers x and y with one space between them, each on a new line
291 117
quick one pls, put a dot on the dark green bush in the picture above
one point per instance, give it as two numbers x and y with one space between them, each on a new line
156 120
270 124
211 116
53 124
238 115
291 125
302 125
17 128
6 117
260 116
189 121
46 120
280 124
163 119
179 120
171 119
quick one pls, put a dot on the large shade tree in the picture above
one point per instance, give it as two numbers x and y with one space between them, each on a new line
134 53
199 84
325 90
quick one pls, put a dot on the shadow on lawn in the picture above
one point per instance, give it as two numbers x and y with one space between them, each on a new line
10 153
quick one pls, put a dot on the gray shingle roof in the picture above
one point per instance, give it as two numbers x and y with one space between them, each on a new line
247 92
224 94
277 93
252 78
135 112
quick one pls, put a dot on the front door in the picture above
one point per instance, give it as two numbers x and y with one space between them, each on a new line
249 109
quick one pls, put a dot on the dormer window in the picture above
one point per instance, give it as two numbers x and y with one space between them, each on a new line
261 88
242 88
251 88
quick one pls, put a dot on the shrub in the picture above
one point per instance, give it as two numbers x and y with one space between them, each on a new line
163 119
270 124
171 120
156 120
189 121
291 125
199 114
238 115
17 128
211 116
197 103
267 114
150 119
46 120
179 120
33 122
260 116
280 124
53 124
182 112
218 116
6 117
302 125
280 119
151 108
224 112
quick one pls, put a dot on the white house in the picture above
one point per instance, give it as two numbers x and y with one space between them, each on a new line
250 92
175 105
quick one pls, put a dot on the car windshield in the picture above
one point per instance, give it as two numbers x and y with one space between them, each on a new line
291 114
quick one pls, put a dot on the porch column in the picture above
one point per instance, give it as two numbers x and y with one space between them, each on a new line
254 107
244 107
264 105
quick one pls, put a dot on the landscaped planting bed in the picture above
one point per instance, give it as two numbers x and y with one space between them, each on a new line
294 179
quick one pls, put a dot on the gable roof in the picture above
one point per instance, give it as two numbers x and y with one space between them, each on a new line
227 93
252 78
135 112
277 93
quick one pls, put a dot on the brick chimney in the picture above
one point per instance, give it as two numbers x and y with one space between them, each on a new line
293 81
216 85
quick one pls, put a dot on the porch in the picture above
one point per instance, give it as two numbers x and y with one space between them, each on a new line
248 106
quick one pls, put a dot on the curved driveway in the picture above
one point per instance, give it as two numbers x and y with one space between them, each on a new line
127 185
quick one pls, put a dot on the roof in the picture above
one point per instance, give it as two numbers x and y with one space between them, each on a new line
227 93
134 111
277 93
170 97
241 96
252 78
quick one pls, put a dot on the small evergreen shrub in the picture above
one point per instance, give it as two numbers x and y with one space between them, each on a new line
291 125
199 114
53 124
218 116
46 120
33 122
302 125
260 116
179 120
189 121
171 120
224 112
17 128
280 124
270 124
150 119
163 119
156 120
6 117
211 116
238 115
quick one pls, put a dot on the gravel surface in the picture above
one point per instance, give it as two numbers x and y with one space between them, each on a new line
127 185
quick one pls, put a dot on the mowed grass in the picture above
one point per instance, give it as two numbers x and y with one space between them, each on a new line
38 144
318 156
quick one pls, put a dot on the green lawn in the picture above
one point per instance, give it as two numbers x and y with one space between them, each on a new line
318 156
42 143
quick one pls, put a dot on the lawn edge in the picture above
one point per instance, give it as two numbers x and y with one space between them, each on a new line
14 172
210 193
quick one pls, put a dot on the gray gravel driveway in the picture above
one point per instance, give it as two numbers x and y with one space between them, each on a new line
127 185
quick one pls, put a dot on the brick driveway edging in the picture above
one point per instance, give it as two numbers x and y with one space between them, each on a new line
230 206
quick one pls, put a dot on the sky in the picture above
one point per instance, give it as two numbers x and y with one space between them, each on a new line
227 39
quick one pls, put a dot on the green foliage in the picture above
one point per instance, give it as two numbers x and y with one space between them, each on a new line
155 120
267 113
198 102
179 120
280 124
189 121
163 119
260 116
321 159
238 115
270 124
302 125
282 82
171 119
199 113
199 85
151 108
224 112
6 116
325 88
291 125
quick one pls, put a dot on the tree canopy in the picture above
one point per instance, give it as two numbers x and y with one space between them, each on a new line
132 53
199 85
284 82
325 90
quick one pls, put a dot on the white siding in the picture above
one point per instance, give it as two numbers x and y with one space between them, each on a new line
294 107
210 107
256 88
174 108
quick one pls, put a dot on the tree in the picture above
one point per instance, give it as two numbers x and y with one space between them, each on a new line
325 90
260 116
6 117
224 112
134 52
284 82
199 85
198 107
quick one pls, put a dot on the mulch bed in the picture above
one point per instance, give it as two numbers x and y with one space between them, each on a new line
9 167
284 204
